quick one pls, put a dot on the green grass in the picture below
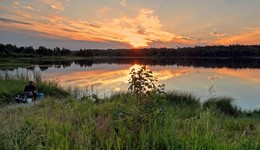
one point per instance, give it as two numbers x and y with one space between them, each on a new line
29 61
13 84
223 104
10 88
125 121
13 64
174 120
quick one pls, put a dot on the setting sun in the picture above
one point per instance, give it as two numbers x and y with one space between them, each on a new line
128 24
130 74
137 41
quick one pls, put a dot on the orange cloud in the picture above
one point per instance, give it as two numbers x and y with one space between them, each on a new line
251 37
215 33
139 31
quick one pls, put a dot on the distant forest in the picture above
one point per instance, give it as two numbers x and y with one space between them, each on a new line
9 50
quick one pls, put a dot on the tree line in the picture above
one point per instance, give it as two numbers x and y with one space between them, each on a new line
9 50
187 62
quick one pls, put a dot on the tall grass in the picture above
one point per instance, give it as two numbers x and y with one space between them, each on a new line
182 98
174 120
12 84
223 104
120 122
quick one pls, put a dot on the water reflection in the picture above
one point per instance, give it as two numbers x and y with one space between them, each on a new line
238 79
188 62
242 84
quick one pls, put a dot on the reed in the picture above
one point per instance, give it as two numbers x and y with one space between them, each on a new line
121 122
172 120
223 105
12 84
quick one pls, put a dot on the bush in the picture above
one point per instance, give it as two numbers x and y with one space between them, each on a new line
223 105
142 82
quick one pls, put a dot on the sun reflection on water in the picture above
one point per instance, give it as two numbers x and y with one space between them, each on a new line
243 84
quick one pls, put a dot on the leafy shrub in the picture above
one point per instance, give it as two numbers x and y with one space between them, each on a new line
142 82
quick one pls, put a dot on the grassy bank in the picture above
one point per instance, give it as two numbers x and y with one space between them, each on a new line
124 121
30 61
14 64
154 120
12 85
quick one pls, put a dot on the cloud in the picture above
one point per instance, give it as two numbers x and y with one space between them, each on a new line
55 4
13 21
69 30
54 19
22 5
15 4
89 24
248 38
122 3
139 31
16 12
33 38
215 33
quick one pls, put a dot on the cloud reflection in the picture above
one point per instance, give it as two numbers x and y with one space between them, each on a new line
242 84
116 80
248 75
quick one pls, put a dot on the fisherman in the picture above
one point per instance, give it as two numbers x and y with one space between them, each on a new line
30 90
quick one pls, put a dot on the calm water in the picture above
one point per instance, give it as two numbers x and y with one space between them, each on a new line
237 79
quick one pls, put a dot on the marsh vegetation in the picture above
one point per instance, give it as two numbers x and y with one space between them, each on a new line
152 120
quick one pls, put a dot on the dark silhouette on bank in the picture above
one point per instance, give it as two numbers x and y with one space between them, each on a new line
30 90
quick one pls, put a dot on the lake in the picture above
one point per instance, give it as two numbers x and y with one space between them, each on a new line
237 78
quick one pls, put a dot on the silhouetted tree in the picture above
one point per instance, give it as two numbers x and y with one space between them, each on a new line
197 51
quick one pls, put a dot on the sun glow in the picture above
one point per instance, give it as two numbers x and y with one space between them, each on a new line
126 25
135 66
139 30
136 41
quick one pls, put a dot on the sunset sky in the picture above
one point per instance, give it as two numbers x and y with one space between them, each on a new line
106 24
